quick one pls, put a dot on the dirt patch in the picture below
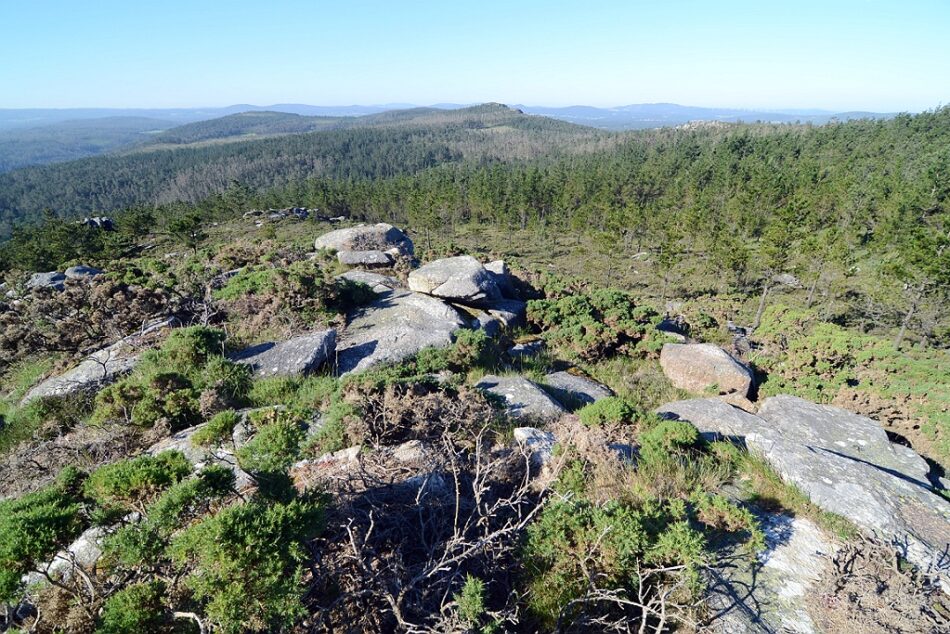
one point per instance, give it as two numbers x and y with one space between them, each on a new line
868 590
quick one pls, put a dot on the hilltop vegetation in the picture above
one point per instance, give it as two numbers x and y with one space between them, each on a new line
404 497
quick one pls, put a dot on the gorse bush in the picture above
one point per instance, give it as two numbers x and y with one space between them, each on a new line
828 363
597 324
135 608
35 526
144 542
169 383
668 439
612 410
217 430
245 562
575 541
471 601
131 484
275 446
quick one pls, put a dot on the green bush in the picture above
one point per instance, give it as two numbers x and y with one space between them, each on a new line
145 541
311 392
35 526
612 410
332 433
136 608
168 384
595 325
575 540
471 601
667 439
245 563
217 430
130 484
274 447
818 361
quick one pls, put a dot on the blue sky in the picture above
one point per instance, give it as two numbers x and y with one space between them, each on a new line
832 54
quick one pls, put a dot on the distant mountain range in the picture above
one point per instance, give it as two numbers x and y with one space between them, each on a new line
39 136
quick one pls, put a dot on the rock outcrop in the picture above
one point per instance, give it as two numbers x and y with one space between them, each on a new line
502 275
367 245
379 283
460 279
100 368
575 391
772 596
81 272
49 279
365 258
293 357
845 464
704 368
523 399
393 328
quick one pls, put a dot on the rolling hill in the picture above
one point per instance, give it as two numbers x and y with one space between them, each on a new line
376 146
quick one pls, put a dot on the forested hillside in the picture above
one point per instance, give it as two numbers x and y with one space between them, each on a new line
245 124
388 144
70 140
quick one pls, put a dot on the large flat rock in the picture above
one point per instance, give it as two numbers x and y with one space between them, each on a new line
460 279
845 464
379 237
379 283
393 328
293 357
575 391
523 399
771 594
704 368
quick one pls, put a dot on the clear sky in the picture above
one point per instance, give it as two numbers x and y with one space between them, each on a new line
833 54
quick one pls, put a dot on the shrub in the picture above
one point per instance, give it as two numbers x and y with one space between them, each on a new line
332 433
666 439
245 562
136 608
130 484
612 410
35 526
168 385
145 541
471 601
824 362
86 315
217 430
274 447
598 324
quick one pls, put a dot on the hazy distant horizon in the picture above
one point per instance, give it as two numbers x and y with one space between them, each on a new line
391 105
